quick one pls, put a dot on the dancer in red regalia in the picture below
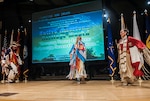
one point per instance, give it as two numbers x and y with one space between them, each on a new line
132 53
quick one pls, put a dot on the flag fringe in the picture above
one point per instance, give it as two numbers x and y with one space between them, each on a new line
146 55
146 75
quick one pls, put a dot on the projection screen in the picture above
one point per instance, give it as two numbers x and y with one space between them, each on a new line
55 31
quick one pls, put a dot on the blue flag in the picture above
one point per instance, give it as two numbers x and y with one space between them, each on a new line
110 50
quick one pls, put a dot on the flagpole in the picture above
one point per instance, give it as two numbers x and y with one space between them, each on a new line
26 71
140 81
112 80
4 47
111 56
136 34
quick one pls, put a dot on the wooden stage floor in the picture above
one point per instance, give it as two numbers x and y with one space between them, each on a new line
66 90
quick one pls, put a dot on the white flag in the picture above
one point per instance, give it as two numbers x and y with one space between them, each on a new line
11 38
122 22
136 33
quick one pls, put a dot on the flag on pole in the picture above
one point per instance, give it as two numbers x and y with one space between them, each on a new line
3 52
136 33
18 41
137 57
147 22
25 56
18 52
122 22
110 50
4 47
12 37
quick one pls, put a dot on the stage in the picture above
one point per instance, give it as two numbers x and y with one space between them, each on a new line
66 90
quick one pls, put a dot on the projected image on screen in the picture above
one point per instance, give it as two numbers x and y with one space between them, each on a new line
54 35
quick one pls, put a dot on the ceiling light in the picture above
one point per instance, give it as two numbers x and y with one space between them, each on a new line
29 20
148 2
